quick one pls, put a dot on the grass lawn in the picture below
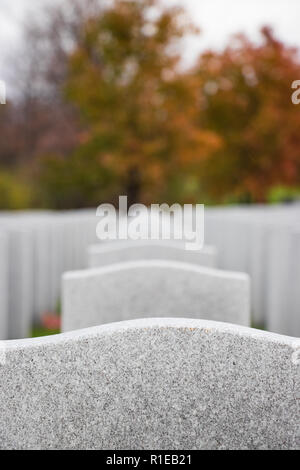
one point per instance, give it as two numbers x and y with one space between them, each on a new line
40 331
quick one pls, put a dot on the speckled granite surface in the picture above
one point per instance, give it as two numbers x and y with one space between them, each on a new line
3 285
151 384
153 288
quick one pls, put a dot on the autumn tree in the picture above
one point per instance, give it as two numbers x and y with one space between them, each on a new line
139 110
246 99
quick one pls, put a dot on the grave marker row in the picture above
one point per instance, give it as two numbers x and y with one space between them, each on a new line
260 240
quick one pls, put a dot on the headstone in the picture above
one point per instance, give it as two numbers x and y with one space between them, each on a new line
258 270
3 286
116 252
294 299
20 285
42 270
153 288
283 299
173 384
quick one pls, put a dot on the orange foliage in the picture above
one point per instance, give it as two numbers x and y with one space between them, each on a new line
246 100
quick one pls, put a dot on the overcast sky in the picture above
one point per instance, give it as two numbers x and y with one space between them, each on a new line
218 19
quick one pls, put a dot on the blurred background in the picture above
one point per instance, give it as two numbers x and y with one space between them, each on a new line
186 101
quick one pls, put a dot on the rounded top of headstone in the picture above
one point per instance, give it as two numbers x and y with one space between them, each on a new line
205 326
